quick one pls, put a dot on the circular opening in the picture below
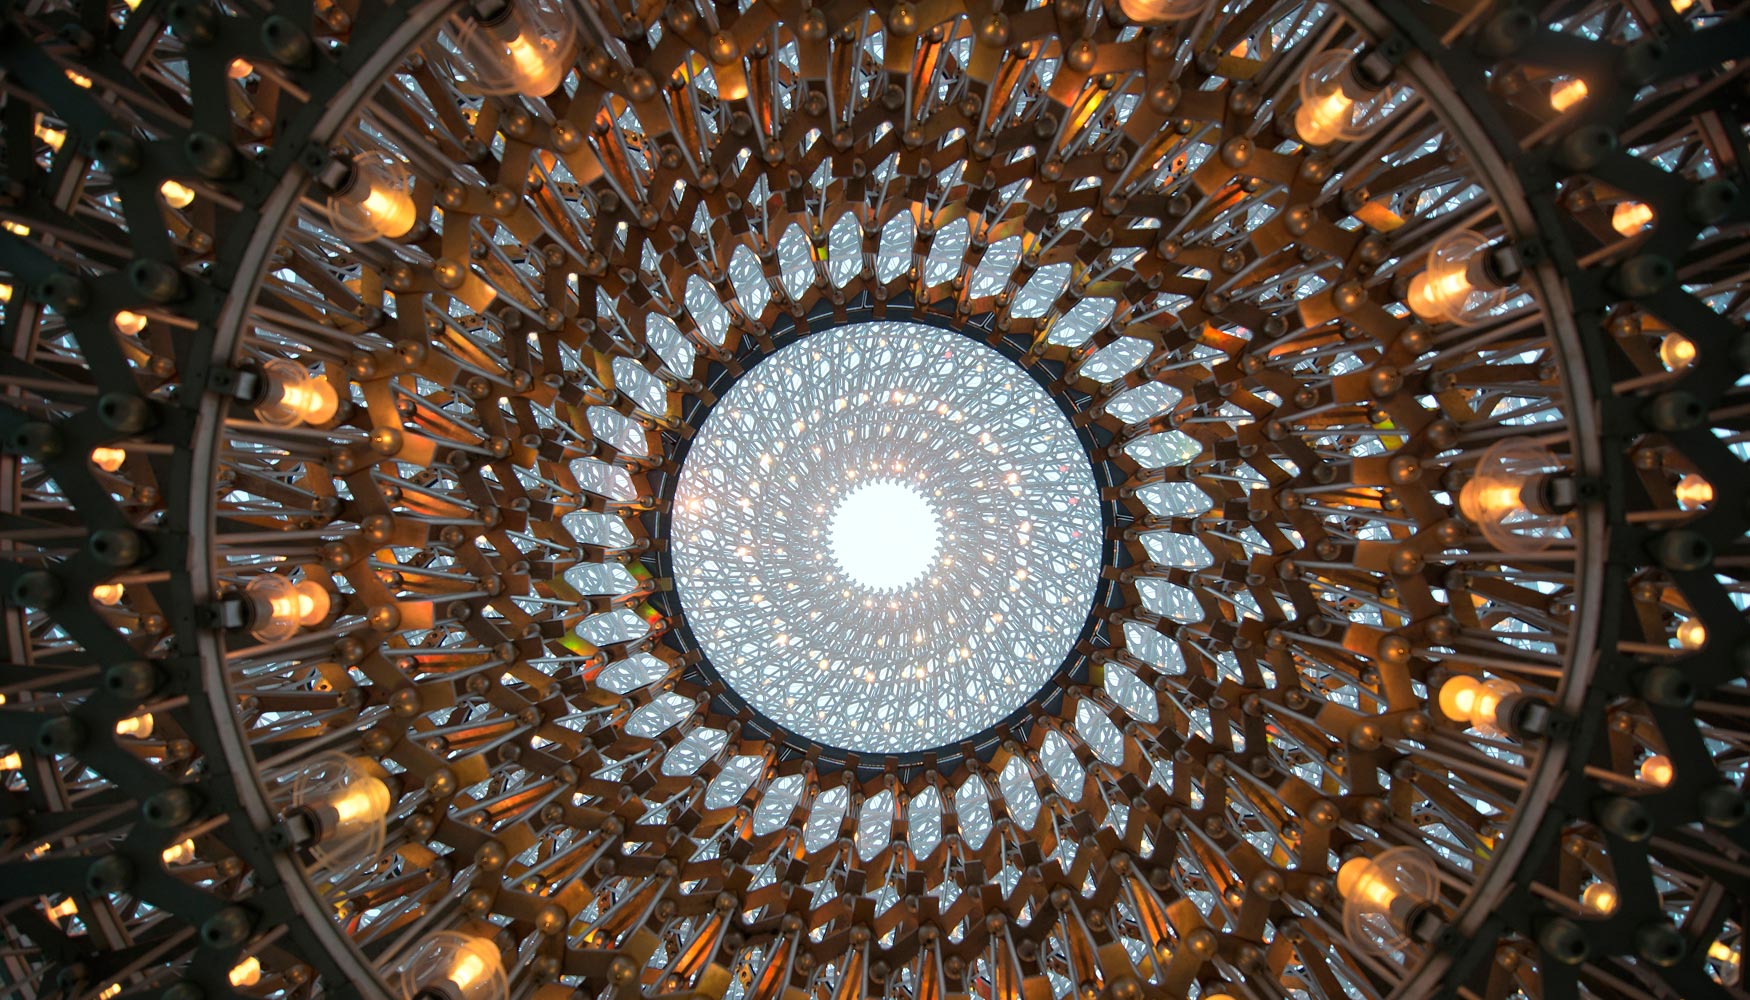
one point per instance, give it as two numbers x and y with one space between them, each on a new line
886 537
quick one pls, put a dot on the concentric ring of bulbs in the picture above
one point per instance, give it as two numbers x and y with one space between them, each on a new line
907 665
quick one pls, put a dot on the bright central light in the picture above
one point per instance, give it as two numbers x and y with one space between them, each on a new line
884 535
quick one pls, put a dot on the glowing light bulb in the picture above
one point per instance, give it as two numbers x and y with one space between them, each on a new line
1676 351
1720 951
375 199
79 79
110 992
1692 634
279 606
365 800
1338 100
239 69
1630 217
1516 496
176 854
525 47
1476 703
52 137
15 228
1458 283
246 972
137 726
108 459
1656 770
1679 6
1567 94
1600 897
292 396
1693 491
176 195
130 323
460 966
62 910
1388 898
11 762
108 594
1160 11
5 293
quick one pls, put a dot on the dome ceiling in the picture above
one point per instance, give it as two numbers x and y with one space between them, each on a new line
373 371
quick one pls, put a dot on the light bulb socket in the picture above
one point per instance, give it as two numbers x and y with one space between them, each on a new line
231 612
491 13
1525 715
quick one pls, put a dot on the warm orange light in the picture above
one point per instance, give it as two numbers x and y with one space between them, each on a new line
1630 217
1475 703
15 228
1676 351
1567 94
11 762
1679 6
1656 770
475 964
239 69
176 195
364 800
62 910
52 137
246 972
108 594
108 459
79 79
130 323
1357 879
296 396
5 293
1693 491
1322 120
176 854
1600 897
138 726
1692 634
1720 951
1434 298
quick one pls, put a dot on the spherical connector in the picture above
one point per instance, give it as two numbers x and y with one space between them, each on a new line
1667 687
117 151
36 589
1660 943
210 156
1564 940
1585 147
183 990
134 680
170 808
1676 410
1710 202
1681 551
1506 32
111 873
1722 806
1625 818
116 546
124 412
36 440
285 41
64 293
227 928
60 735
193 21
157 281
1641 275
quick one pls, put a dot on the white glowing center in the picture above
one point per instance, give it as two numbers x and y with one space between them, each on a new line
884 535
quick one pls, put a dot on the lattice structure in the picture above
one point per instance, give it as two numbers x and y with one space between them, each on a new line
351 366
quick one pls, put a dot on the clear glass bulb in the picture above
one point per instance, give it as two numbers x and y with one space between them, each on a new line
280 606
1476 703
1334 104
1160 11
1600 897
525 47
375 200
1384 895
454 966
1454 287
291 395
1656 770
1505 497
